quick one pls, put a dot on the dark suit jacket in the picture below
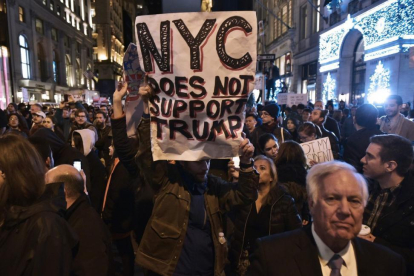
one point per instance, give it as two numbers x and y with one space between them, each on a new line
332 125
295 253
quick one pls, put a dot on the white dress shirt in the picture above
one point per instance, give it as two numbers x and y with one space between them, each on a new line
349 267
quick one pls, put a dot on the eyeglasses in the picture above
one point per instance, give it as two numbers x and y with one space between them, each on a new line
13 119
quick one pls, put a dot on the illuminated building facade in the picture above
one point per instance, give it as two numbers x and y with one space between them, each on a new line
366 50
108 48
49 47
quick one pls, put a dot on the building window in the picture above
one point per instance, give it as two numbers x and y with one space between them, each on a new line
316 17
39 26
58 10
54 34
24 55
78 48
285 14
52 5
44 2
21 14
304 21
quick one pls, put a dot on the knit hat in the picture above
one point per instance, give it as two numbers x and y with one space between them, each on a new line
272 109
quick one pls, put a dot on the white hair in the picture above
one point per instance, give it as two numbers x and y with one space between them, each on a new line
317 174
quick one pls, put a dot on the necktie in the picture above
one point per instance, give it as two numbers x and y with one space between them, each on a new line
335 263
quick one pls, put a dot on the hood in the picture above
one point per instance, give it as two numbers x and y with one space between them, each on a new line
52 200
56 144
88 140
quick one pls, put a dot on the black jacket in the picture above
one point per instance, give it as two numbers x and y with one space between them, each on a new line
356 146
119 211
293 178
98 181
36 240
94 255
126 149
283 217
333 140
295 254
395 226
332 126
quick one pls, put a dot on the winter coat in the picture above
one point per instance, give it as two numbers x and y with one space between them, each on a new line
36 240
395 226
162 243
119 210
94 255
283 217
126 150
293 178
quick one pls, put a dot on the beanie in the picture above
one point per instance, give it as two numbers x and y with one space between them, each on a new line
272 109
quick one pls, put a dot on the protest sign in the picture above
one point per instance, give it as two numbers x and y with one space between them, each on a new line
134 76
282 98
295 99
202 69
318 150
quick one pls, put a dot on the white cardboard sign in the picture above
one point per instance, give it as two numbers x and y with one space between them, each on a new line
318 150
202 69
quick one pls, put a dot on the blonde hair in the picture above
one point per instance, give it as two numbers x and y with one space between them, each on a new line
273 171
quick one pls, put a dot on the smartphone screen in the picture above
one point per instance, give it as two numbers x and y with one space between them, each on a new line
236 161
78 165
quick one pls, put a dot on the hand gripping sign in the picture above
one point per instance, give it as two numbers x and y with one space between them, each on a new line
202 68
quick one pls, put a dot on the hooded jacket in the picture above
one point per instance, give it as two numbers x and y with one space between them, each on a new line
36 240
97 169
64 153
88 140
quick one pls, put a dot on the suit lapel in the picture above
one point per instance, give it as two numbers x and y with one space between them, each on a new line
362 258
307 260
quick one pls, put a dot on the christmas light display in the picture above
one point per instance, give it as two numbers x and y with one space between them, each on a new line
391 21
329 88
379 87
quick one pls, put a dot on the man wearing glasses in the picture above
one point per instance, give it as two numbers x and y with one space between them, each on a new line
82 123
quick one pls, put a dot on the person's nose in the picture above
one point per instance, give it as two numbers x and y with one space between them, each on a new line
363 160
344 208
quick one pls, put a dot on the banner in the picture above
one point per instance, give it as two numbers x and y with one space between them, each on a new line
318 150
202 69
295 99
134 76
282 98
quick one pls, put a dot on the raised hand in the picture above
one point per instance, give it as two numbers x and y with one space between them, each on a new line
247 150
120 91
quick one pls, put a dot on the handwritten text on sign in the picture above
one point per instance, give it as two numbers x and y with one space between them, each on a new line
318 150
202 68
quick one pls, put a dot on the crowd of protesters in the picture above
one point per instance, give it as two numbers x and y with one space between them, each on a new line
189 218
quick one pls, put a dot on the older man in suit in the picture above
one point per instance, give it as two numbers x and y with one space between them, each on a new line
329 246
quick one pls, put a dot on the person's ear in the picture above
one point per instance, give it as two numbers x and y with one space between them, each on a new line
391 166
311 204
